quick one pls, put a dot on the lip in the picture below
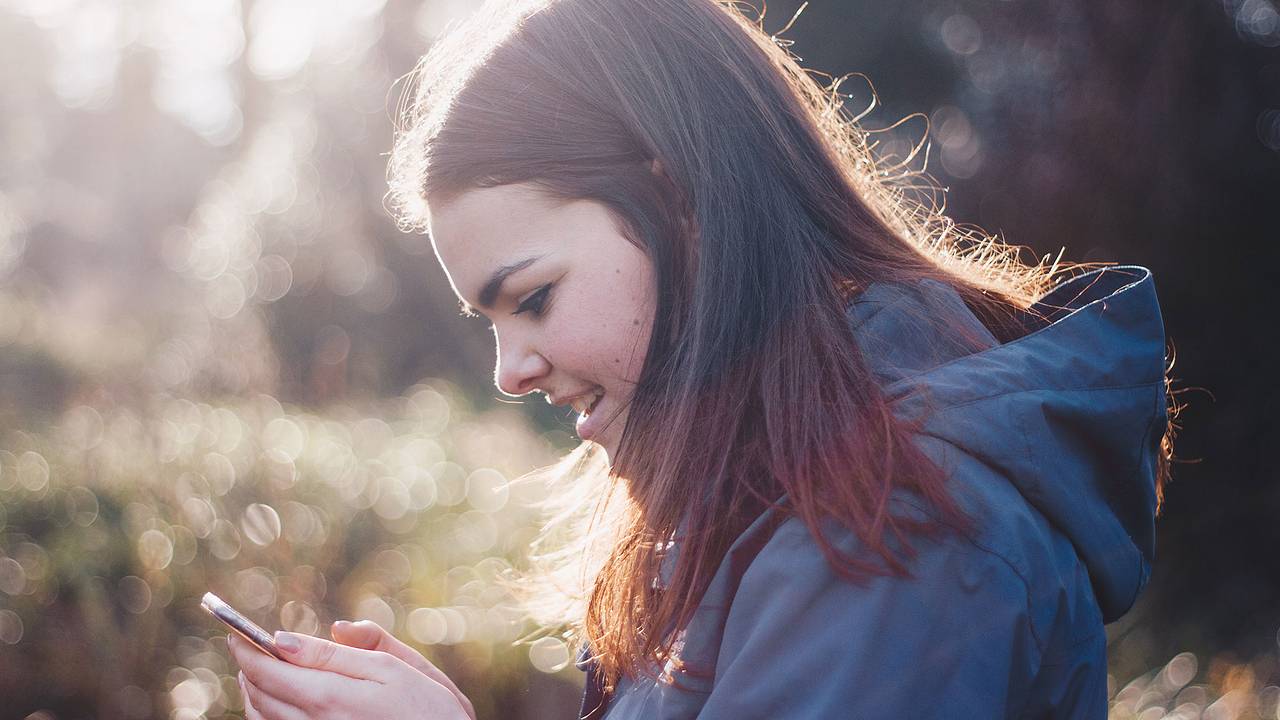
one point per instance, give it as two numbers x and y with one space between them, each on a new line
567 401
588 425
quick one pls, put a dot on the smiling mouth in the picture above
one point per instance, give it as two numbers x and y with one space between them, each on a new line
584 404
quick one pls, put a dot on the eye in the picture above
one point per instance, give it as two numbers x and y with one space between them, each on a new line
535 303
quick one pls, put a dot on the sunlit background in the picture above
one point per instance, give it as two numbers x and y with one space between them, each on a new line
221 366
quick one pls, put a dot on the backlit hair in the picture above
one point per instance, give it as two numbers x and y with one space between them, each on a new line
770 215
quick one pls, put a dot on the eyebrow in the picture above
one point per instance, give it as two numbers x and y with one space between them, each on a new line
493 286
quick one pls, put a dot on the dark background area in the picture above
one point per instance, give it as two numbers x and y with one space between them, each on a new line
1144 133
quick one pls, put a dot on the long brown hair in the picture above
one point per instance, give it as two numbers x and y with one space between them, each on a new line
770 214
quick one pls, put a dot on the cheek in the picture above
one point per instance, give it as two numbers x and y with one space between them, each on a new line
603 344
609 342
607 332
637 322
630 328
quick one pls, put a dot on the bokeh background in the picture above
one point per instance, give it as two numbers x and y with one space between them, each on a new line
222 367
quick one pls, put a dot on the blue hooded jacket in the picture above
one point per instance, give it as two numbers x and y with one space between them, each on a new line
1050 442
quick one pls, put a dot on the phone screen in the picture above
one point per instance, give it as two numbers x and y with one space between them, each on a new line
245 627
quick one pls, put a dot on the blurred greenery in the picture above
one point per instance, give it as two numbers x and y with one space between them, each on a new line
115 523
222 368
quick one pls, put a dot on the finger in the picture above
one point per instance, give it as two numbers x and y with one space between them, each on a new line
372 636
265 706
320 654
249 712
247 654
299 686
357 634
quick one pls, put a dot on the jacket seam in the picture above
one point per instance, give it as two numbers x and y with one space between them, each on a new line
1018 391
1137 465
1100 302
1026 585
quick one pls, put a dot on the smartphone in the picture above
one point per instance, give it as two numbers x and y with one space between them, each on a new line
245 627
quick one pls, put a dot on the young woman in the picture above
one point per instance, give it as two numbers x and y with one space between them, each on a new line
845 459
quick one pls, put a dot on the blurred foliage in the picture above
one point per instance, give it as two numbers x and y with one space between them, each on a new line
115 522
212 351
222 368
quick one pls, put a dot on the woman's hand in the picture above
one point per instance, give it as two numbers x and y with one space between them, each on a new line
330 680
369 635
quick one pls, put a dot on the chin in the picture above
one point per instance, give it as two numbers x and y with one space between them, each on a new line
609 447
609 438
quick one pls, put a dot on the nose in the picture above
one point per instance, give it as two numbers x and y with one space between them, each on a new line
519 367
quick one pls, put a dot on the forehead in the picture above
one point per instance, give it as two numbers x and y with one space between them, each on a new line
480 228
483 229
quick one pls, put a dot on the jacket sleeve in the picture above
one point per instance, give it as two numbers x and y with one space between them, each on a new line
802 642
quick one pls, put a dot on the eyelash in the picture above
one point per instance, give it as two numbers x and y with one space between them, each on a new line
535 303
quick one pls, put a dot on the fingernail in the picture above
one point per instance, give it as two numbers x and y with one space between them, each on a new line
287 642
342 624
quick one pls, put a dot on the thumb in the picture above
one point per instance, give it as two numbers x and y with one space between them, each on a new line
320 654
363 634
369 635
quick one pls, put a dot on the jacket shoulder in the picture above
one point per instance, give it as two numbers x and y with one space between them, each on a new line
1013 556
956 633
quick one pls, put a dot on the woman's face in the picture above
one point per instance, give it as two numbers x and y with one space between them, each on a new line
570 299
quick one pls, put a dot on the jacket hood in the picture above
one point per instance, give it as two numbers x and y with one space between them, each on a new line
1072 413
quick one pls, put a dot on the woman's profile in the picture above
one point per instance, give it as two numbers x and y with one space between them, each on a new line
842 458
